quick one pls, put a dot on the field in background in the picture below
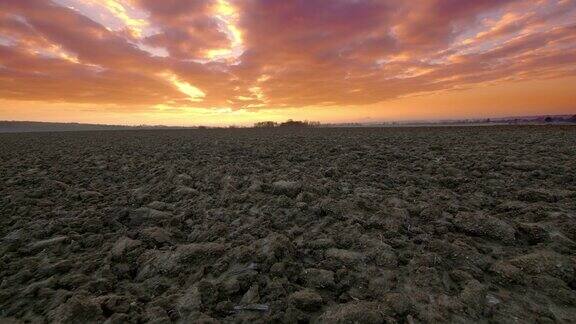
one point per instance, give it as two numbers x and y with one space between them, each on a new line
332 224
30 126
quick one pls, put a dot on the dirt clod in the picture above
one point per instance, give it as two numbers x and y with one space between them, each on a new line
317 225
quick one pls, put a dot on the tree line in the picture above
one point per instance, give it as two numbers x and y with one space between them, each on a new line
288 123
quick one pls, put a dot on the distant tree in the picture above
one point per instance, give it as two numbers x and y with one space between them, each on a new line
298 123
572 119
292 123
548 119
265 124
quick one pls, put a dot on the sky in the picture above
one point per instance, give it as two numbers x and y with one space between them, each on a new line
223 62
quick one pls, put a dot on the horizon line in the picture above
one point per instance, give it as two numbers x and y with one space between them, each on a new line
248 124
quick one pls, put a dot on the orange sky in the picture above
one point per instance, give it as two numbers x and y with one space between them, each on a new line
220 62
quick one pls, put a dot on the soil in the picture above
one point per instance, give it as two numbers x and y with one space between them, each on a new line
335 225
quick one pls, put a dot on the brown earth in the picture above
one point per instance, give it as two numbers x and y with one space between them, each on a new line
407 225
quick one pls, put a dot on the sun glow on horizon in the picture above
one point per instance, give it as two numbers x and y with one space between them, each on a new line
237 62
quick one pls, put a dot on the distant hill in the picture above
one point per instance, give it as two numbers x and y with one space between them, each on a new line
514 120
539 119
28 126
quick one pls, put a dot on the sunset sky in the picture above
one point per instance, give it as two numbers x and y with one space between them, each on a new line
219 62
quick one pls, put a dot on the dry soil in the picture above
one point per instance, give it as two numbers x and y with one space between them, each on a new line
366 225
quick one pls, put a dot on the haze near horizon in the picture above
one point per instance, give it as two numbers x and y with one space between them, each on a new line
220 62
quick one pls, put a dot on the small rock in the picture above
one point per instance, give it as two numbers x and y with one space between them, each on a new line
327 207
460 276
546 262
521 165
145 215
479 224
323 243
154 262
77 310
252 296
381 285
115 304
536 195
288 188
14 236
307 300
319 278
90 194
159 205
183 179
139 194
118 318
355 312
345 256
190 301
385 258
534 233
255 186
156 234
399 303
507 273
183 191
511 206
473 297
492 300
201 295
124 245
156 315
34 287
231 285
252 307
38 245
224 307
272 248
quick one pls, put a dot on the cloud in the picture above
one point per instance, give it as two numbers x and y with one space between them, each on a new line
270 54
187 29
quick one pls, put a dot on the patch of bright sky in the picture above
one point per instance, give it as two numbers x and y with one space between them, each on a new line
50 51
115 15
55 51
155 51
194 94
227 16
212 116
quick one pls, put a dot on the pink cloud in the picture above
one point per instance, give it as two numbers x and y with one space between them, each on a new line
289 53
